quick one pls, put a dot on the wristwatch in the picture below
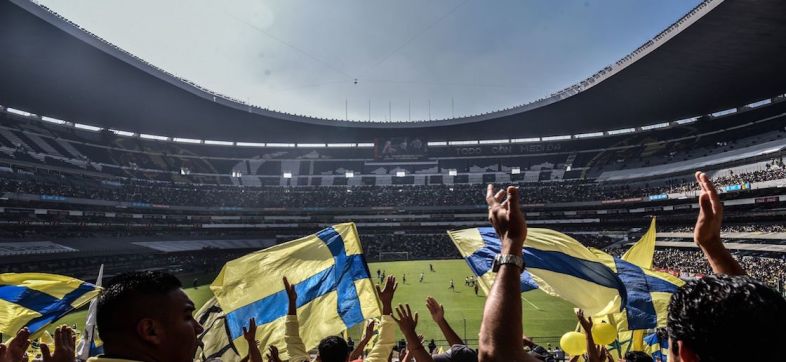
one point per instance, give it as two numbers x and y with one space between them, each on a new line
500 259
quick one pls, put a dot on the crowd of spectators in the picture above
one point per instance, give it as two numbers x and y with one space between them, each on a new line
774 170
749 228
86 267
336 196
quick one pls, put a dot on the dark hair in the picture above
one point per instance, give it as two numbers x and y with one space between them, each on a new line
120 306
637 356
333 349
738 309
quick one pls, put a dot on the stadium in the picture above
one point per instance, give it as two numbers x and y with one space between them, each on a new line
107 159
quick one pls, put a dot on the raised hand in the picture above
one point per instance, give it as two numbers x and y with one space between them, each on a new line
586 323
437 310
707 231
65 346
407 322
250 333
16 349
386 295
708 225
291 296
593 354
272 355
506 217
369 332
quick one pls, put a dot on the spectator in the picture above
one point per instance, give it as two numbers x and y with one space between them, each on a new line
146 316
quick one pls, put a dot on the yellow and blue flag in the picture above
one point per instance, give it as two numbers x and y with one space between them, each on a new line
657 347
649 291
556 264
34 300
329 273
642 252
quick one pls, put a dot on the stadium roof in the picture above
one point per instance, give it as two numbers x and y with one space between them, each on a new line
723 55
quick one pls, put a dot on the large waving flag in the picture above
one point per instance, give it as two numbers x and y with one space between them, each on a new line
648 293
329 273
641 253
34 300
215 342
657 347
556 264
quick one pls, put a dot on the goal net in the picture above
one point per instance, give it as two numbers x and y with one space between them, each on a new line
393 255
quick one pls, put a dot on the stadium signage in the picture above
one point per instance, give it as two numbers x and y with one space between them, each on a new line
738 187
506 149
659 197
768 199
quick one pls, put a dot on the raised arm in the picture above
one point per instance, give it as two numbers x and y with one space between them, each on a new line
500 331
272 355
16 348
438 315
708 229
408 323
250 335
593 354
65 346
369 333
295 347
387 328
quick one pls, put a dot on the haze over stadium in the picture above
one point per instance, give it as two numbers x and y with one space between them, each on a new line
337 144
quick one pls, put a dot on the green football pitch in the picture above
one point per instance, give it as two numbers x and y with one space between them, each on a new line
545 317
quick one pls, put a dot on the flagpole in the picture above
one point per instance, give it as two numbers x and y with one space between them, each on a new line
88 337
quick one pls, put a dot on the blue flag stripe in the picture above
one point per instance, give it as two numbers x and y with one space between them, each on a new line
50 308
639 307
348 304
29 298
481 262
274 306
554 261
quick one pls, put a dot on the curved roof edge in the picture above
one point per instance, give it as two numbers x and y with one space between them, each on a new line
86 36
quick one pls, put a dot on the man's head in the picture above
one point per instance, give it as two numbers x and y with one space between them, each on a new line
713 318
145 315
333 349
458 353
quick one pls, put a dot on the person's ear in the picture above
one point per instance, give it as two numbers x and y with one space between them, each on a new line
150 331
686 353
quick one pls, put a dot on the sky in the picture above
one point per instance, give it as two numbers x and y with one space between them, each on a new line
401 59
